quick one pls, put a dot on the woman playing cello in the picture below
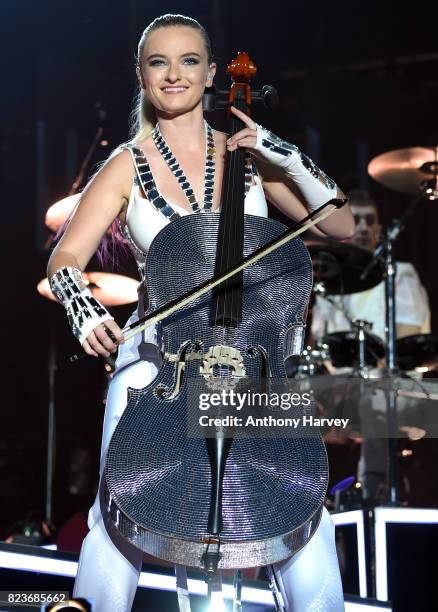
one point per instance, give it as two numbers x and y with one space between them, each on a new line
174 67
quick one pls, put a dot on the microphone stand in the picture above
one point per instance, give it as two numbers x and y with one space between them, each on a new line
86 161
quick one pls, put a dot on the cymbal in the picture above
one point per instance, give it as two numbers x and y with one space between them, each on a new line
109 289
58 213
419 351
338 265
405 170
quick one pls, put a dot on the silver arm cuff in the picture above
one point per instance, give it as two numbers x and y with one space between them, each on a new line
316 187
84 312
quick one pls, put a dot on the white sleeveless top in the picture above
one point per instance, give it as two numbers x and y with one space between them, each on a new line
144 221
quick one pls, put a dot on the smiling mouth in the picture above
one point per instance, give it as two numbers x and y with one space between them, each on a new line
173 90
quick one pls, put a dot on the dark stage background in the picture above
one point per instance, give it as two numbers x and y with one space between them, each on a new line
355 79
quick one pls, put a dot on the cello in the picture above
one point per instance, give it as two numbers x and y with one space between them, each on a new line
225 501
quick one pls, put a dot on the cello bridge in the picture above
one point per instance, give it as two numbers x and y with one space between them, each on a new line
222 357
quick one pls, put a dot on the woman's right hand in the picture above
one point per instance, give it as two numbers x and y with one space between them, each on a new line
104 339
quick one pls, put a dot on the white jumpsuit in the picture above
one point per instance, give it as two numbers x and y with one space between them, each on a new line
109 566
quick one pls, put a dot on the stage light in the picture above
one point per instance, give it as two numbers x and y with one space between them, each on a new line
382 516
216 604
355 517
47 565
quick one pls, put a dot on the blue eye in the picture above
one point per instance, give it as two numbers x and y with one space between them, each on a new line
191 60
187 60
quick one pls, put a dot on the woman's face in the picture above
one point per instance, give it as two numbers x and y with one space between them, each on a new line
174 69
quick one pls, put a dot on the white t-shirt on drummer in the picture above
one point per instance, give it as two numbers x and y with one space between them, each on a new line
412 306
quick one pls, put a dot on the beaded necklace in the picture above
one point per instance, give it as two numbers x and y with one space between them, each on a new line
171 161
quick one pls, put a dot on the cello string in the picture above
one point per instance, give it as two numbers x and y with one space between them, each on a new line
236 218
224 228
233 218
237 225
220 253
228 235
232 228
233 222
221 296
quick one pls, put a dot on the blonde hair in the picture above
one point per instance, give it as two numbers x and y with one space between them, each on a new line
143 116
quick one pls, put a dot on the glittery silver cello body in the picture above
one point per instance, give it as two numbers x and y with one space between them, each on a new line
157 478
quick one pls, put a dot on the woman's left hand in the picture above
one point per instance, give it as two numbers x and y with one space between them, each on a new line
246 138
262 143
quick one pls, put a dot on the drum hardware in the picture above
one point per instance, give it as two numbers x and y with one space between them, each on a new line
311 362
385 249
344 350
361 327
403 172
417 389
344 347
327 285
319 288
362 403
337 267
418 352
409 170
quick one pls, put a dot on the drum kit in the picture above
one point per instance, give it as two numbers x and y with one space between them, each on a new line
393 366
339 270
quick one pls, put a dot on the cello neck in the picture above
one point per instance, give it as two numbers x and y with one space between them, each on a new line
227 302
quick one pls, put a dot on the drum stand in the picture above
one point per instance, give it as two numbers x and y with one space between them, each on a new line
385 250
361 327
51 427
391 366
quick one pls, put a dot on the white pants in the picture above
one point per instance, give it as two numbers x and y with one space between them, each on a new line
109 566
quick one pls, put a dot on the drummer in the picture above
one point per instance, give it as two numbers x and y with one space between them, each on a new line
412 317
412 314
